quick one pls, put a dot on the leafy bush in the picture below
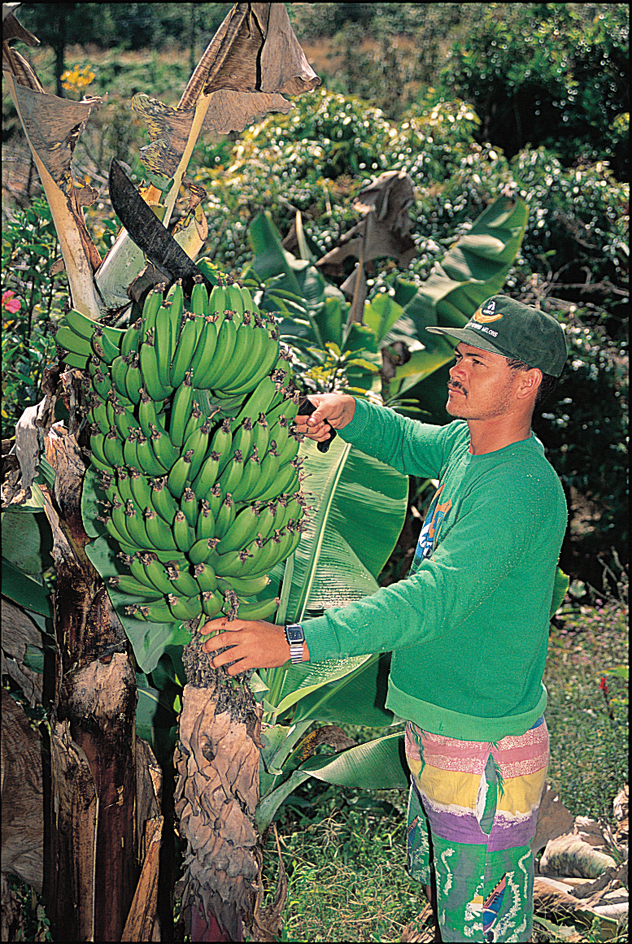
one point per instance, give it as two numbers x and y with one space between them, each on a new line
29 248
547 74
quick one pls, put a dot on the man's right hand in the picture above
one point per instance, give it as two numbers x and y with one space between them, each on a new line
332 410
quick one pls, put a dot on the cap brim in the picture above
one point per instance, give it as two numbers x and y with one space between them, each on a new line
467 336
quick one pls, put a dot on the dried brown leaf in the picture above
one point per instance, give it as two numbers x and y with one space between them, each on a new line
384 231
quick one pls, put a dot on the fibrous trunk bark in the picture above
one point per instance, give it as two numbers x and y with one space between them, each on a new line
95 812
217 761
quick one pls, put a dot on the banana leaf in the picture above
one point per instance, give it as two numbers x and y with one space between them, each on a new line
472 270
359 506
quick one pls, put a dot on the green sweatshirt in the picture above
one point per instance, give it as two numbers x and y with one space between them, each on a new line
468 627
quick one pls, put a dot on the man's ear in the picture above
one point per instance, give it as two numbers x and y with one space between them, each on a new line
529 383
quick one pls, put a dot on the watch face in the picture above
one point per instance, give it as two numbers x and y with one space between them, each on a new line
295 634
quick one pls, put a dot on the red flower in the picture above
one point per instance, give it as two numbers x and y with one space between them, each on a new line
9 303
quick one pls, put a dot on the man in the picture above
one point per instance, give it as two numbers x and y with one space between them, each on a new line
468 627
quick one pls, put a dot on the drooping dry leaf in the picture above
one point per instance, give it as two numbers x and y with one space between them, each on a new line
52 127
384 231
251 61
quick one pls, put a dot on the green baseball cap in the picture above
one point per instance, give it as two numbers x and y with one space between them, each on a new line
504 326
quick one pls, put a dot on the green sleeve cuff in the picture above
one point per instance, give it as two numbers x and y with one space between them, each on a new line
358 424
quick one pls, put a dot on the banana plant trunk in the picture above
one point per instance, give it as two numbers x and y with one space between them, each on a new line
95 813
217 791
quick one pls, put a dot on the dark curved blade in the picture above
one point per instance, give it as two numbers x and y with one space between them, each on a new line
149 234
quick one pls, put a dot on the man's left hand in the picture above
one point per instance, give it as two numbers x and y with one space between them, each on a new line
254 644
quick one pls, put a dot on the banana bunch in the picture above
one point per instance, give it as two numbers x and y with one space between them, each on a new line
191 412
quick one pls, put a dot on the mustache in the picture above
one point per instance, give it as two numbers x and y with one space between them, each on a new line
455 385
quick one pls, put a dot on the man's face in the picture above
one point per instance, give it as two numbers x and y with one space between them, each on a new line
481 384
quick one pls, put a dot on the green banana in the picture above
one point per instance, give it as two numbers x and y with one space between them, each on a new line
119 521
229 478
162 501
249 480
258 611
125 584
268 472
101 383
198 441
264 352
72 359
245 351
131 338
189 505
123 485
148 459
134 380
287 481
103 346
222 438
184 608
206 577
205 524
159 537
234 298
185 349
140 489
151 306
150 371
179 475
183 584
225 516
241 442
207 475
155 613
66 338
287 445
136 525
211 603
113 448
217 300
98 457
137 568
147 413
261 435
156 573
98 415
200 299
202 551
121 418
118 370
80 324
215 497
259 401
243 530
162 343
204 352
183 533
180 410
165 451
223 353
196 419
244 586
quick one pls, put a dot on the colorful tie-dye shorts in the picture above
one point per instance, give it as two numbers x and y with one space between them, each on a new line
472 814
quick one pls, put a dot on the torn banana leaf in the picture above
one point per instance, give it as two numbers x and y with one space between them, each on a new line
251 60
52 127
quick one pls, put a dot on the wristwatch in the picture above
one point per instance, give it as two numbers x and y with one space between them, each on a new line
296 639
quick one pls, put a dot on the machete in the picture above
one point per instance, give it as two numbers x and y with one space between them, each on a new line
146 230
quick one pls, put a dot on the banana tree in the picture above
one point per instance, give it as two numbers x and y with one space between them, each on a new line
251 62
